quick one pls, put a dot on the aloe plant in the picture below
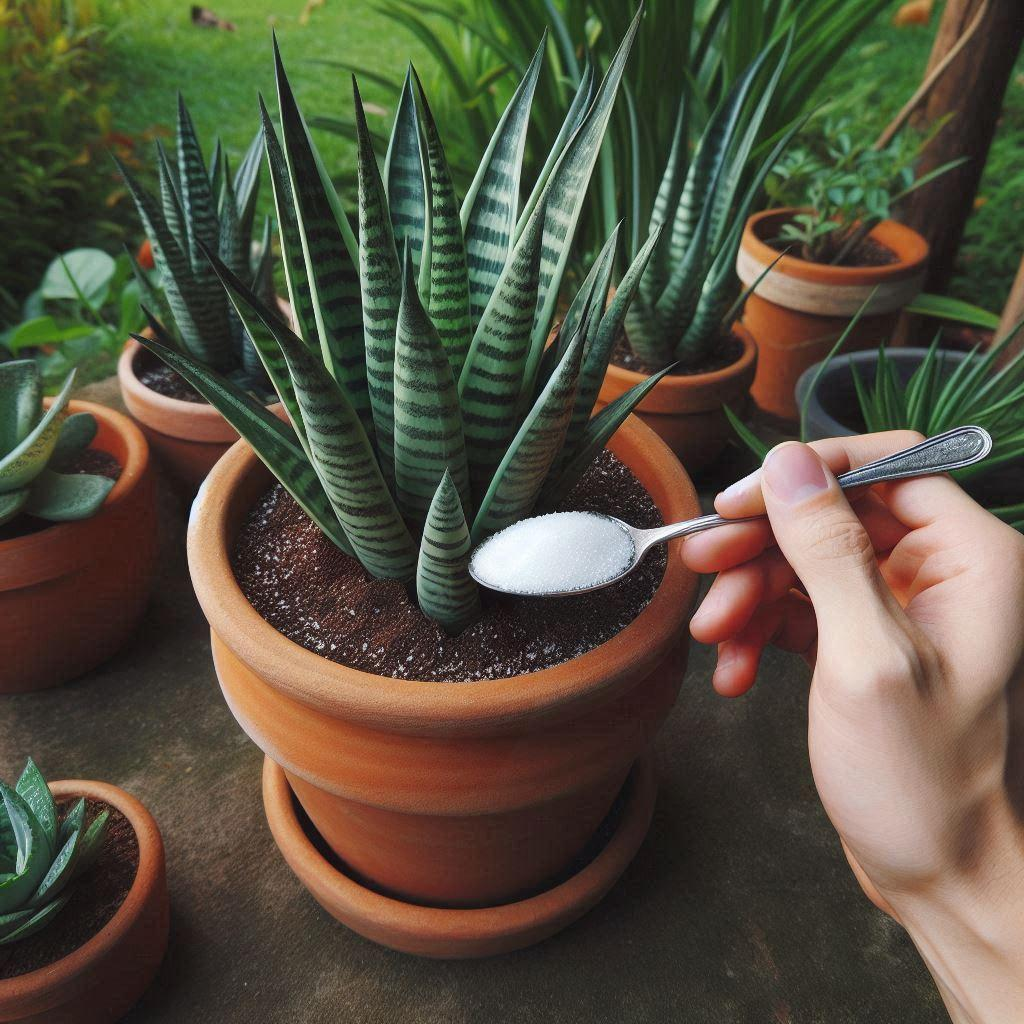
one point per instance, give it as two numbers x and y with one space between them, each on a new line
37 445
205 205
42 854
425 411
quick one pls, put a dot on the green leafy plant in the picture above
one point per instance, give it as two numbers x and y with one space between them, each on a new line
845 187
38 446
42 854
203 206
78 317
423 400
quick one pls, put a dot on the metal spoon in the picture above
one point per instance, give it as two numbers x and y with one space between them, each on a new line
954 449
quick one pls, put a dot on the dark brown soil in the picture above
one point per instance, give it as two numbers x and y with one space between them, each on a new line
159 377
727 351
324 600
866 253
95 899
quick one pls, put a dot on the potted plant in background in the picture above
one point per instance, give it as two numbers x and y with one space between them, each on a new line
77 531
686 310
199 205
83 901
832 200
457 752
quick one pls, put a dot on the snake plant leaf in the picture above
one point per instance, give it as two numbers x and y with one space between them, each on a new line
273 441
11 503
565 194
170 200
491 382
519 478
428 424
32 788
33 852
39 920
23 463
216 166
149 295
247 184
292 259
448 293
91 845
64 497
490 208
381 281
232 247
263 278
595 436
21 396
330 267
405 174
445 591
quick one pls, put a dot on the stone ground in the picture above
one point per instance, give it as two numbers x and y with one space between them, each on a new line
739 907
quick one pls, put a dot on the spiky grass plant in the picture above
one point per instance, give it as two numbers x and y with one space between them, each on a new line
37 446
426 412
205 206
41 854
687 300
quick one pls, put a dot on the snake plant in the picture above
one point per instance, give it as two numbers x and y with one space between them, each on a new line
427 413
204 205
41 854
37 445
686 298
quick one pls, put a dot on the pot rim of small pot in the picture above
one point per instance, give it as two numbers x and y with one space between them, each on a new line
54 984
827 290
423 707
51 551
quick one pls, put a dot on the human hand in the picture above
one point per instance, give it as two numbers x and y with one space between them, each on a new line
913 621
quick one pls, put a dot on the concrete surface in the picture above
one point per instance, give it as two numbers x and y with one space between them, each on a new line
739 908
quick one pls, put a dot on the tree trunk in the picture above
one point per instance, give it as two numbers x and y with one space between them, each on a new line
971 90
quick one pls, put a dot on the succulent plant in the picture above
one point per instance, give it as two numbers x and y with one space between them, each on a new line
423 401
205 205
37 446
686 301
41 854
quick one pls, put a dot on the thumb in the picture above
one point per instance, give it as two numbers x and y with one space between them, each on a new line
825 543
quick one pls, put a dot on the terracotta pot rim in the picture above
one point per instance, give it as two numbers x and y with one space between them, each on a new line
530 919
420 706
32 988
131 472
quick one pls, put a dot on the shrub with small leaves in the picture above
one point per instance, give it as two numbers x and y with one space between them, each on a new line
42 854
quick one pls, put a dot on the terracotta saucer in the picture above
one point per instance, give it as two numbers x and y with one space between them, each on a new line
458 933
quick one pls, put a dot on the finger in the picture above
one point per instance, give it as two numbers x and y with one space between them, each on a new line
726 546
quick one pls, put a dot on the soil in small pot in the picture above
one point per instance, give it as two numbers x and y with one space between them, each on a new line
96 897
325 601
159 377
725 353
92 461
868 252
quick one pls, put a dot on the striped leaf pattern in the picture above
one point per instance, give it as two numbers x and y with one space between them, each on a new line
405 175
247 184
170 201
491 205
445 591
448 295
331 272
492 379
428 423
518 481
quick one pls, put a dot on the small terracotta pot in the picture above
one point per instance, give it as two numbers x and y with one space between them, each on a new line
464 794
71 594
101 980
800 308
686 411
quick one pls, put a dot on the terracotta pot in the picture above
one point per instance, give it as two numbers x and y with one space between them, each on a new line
800 308
686 411
71 594
101 980
466 794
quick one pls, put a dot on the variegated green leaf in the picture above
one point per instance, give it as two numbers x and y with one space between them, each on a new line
491 205
405 174
216 166
170 200
33 852
518 481
77 432
232 245
39 920
11 922
21 396
490 386
91 844
151 296
263 277
445 591
23 463
62 498
448 295
428 423
247 184
32 788
72 821
62 868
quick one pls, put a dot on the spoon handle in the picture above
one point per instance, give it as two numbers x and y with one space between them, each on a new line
954 449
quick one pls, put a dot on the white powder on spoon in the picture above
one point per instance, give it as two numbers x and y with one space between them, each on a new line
558 552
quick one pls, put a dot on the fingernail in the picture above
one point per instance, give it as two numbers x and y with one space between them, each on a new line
742 487
794 473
